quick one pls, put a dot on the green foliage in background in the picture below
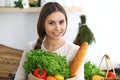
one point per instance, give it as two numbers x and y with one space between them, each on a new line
18 4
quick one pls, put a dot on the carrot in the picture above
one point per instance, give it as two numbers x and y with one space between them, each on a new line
78 59
50 78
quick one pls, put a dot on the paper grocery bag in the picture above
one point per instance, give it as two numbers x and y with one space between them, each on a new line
32 77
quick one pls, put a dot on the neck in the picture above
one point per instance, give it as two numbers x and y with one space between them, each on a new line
52 45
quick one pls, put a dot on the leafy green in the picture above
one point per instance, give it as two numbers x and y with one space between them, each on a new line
84 33
91 69
52 62
18 3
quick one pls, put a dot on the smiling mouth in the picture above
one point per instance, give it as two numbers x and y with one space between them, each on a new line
57 33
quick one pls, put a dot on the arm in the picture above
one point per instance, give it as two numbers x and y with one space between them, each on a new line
20 74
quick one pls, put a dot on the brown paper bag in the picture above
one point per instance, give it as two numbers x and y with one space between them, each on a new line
32 77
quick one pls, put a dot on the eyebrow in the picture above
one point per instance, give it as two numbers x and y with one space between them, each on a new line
59 20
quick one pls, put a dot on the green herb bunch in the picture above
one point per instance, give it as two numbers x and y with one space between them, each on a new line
52 62
84 33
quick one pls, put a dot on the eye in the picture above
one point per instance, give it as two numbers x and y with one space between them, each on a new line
62 21
51 22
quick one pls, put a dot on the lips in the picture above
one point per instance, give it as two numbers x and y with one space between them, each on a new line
57 33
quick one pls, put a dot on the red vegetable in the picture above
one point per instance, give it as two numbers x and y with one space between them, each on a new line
40 73
111 74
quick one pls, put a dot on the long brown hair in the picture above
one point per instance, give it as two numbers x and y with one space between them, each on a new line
47 9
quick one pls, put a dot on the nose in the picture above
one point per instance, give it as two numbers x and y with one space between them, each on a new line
57 27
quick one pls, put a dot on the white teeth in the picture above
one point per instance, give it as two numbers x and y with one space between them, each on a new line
56 33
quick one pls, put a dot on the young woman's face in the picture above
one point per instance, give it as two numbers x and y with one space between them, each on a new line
55 25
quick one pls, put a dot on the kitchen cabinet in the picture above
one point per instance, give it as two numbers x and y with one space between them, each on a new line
5 78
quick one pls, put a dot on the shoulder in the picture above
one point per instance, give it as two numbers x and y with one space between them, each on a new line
70 45
30 45
69 48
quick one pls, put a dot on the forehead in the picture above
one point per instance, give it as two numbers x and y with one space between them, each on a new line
56 16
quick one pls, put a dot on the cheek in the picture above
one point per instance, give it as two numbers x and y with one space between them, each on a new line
65 27
48 29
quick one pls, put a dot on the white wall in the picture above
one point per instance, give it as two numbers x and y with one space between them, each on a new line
103 17
17 28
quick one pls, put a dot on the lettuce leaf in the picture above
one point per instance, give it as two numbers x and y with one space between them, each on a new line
52 62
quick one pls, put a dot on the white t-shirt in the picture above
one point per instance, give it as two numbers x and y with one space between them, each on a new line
68 49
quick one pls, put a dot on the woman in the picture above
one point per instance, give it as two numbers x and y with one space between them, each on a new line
52 25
